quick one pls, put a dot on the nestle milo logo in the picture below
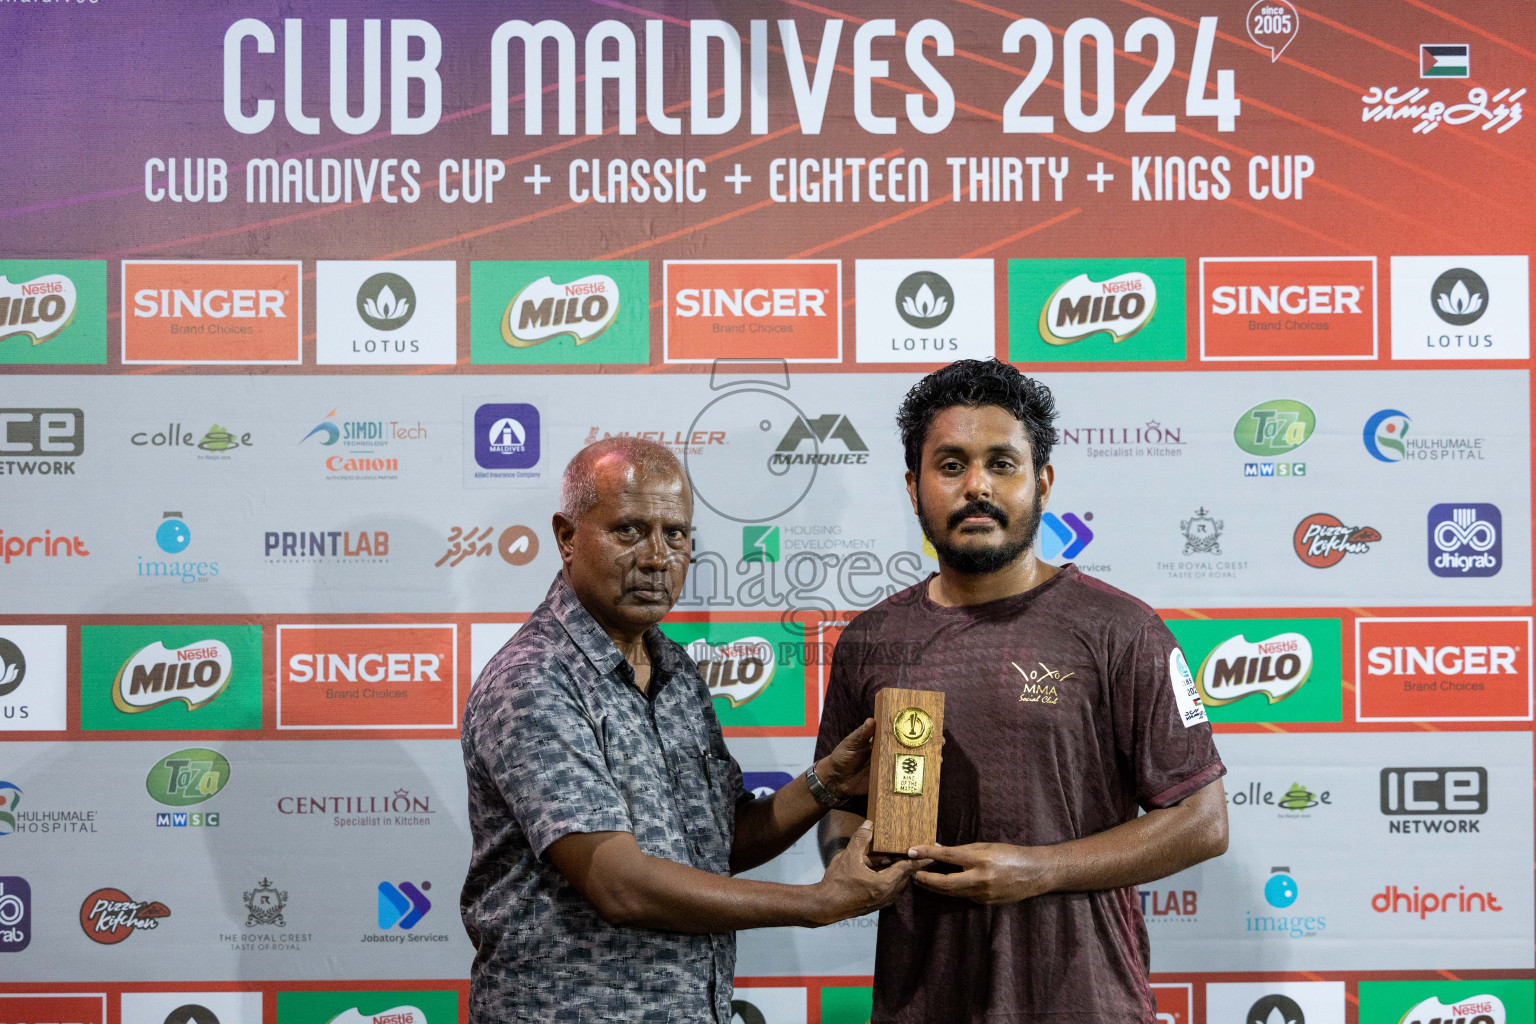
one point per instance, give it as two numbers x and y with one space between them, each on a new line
737 670
36 309
582 309
1120 306
1276 667
188 777
1274 428
156 675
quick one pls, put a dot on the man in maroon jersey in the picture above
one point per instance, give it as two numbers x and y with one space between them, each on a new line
1068 704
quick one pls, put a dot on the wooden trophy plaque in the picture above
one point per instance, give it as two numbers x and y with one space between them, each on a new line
904 769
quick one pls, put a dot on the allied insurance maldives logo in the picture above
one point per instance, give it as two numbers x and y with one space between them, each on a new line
1288 308
778 309
209 312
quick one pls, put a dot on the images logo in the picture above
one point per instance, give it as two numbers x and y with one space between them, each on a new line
773 309
1276 668
1288 308
1064 536
1460 307
386 302
15 914
1274 428
173 536
1281 893
1443 669
919 311
1291 672
1069 310
506 436
1465 539
109 916
187 777
367 677
1384 433
1322 540
41 442
53 311
244 311
560 312
156 675
404 905
1445 60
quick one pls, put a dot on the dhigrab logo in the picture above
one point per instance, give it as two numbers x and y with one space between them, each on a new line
1466 539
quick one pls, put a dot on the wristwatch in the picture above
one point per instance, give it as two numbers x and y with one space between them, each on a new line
819 790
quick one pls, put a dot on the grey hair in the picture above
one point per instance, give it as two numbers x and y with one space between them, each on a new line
578 484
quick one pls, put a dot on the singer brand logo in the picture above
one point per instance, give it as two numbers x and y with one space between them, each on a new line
1288 308
1452 669
367 677
776 309
236 312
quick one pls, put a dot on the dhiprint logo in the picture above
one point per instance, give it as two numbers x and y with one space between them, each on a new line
386 302
1322 540
1118 307
1393 900
550 311
1456 669
1465 539
1064 536
109 916
15 914
241 311
1460 307
402 905
375 312
1445 60
1460 297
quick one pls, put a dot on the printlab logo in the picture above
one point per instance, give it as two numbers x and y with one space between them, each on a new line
342 547
1445 60
1459 297
109 916
1434 800
1064 536
41 442
1322 540
1272 25
1465 539
389 313
386 302
264 905
15 914
53 311
1170 905
517 545
402 906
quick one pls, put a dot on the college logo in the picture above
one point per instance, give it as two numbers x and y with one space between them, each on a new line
244 311
402 906
385 312
1288 308
1460 307
775 309
367 677
1290 672
923 311
1082 310
755 672
53 311
41 442
818 431
1465 539
217 440
264 906
1322 540
506 436
1443 669
32 674
15 914
109 916
1294 802
188 777
1448 794
1445 60
560 312
155 677
1064 536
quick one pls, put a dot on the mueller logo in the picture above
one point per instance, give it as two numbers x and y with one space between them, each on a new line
1465 539
236 312
367 676
737 670
1443 669
109 916
1393 900
1276 667
1478 1009
1322 540
821 430
45 440
36 309
780 309
1120 307
1446 796
580 310
156 675
1288 308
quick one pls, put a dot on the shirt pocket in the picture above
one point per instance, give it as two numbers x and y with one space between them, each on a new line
710 810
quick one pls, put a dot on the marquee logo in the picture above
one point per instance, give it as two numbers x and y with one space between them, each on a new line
53 311
1288 308
109 916
211 312
1443 669
1465 539
1322 540
1275 667
737 670
194 674
580 310
1082 307
367 677
821 430
772 309
36 310
188 777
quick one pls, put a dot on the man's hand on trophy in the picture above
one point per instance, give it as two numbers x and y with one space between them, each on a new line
990 872
852 887
845 771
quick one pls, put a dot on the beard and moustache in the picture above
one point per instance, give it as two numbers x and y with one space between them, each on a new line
980 561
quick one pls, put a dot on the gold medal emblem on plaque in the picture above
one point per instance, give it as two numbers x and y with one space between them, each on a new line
912 727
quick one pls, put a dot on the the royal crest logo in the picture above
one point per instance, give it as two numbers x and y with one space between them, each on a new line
37 309
264 906
543 310
737 670
109 916
1276 667
194 674
1202 533
1119 306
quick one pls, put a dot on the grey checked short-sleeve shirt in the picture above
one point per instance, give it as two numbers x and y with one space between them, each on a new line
557 739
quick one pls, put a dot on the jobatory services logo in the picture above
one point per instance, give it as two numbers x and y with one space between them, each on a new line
32 678
401 906
386 312
109 916
1275 1002
1321 540
41 442
787 310
440 1006
1445 60
1094 310
60 1008
355 676
924 311
1466 539
755 671
517 545
1265 670
1432 800
1461 307
1438 1001
170 677
1439 669
53 311
1064 536
243 311
15 914
1390 436
1288 308
560 312
173 536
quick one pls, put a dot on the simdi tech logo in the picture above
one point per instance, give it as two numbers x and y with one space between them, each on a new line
787 310
755 672
1266 670
1096 310
1443 669
1439 1001
559 312
386 312
923 311
53 311
170 677
209 312
1461 307
1288 308
353 676
435 1006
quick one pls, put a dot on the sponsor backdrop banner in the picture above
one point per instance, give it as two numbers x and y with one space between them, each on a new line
304 310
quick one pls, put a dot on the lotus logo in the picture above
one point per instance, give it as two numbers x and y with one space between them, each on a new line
156 675
925 300
1275 1009
737 670
1120 307
187 777
1238 667
386 302
1472 1010
13 666
1460 296
544 310
36 309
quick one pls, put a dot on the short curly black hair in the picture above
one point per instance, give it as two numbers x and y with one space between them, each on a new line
974 383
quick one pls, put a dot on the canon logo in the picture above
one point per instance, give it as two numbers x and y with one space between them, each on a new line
1472 660
692 302
367 668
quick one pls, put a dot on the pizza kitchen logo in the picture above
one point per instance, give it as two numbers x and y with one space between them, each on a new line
157 675
109 916
1322 540
737 670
